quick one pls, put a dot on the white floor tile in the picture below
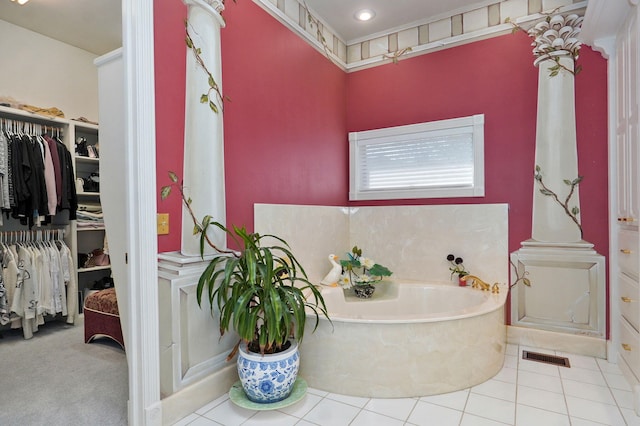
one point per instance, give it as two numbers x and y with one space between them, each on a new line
317 392
542 399
583 375
229 414
538 368
473 420
332 413
356 401
582 422
617 381
271 418
594 411
456 400
608 367
588 391
491 408
300 409
623 398
540 381
630 417
186 420
581 361
496 389
509 375
424 414
305 423
369 418
398 408
203 421
212 404
531 416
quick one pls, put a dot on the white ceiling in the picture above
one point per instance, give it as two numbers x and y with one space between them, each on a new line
95 25
91 25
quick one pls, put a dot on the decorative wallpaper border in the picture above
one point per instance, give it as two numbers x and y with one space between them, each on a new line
419 38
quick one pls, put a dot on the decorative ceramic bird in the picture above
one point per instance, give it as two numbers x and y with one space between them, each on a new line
331 279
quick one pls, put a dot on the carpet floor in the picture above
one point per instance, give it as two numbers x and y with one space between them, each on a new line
56 379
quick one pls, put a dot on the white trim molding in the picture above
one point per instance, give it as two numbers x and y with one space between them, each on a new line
428 35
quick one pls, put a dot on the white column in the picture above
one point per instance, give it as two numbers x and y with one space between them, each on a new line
556 150
556 153
203 174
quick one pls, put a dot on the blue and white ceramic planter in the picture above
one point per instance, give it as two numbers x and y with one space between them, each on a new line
268 378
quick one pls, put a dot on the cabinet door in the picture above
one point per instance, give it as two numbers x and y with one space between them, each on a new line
627 126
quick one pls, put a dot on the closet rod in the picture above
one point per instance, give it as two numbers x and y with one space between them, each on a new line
32 235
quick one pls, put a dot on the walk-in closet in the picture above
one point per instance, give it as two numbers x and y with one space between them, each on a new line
54 248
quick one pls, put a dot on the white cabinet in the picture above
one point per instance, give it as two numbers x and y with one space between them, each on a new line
625 239
627 123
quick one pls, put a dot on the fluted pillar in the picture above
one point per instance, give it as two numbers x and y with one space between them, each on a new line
203 139
556 154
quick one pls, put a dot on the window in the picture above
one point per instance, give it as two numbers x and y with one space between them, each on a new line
428 160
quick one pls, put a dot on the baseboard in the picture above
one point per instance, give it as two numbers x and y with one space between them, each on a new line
572 343
192 397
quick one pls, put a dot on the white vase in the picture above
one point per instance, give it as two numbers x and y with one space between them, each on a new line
268 378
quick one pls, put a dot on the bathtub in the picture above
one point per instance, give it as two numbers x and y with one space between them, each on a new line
409 339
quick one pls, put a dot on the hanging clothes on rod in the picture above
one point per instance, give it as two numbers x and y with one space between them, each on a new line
38 279
37 179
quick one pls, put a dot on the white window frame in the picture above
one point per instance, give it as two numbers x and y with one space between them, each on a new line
473 125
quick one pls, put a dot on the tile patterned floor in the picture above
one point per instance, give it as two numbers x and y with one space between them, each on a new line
523 393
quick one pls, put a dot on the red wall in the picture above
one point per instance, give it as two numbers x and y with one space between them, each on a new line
494 77
285 123
290 110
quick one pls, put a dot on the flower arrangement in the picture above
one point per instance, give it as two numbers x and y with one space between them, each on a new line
358 270
457 266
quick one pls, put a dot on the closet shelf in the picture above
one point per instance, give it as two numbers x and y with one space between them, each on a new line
90 228
94 268
82 158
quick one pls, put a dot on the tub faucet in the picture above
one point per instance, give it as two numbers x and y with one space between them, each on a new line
477 282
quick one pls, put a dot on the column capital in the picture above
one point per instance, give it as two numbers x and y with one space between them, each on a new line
556 35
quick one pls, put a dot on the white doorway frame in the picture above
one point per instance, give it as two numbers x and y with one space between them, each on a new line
142 247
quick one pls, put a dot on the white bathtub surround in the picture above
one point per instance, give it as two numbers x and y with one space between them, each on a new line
203 152
412 241
567 276
416 340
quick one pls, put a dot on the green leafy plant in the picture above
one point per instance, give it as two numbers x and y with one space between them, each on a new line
261 291
572 212
360 270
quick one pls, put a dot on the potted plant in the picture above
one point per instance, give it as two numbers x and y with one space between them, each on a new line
361 273
263 294
457 268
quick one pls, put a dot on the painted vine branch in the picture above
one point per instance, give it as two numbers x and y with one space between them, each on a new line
520 278
571 212
198 227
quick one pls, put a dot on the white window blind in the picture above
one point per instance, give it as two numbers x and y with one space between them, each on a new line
436 159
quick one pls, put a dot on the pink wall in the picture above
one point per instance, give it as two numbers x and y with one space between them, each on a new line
494 77
286 125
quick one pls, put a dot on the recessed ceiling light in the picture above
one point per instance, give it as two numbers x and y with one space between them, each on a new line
364 15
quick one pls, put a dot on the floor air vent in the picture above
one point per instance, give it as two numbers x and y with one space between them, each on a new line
547 359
